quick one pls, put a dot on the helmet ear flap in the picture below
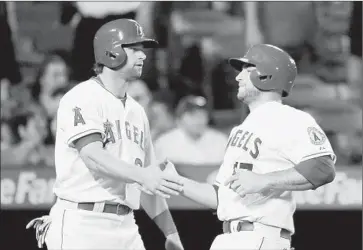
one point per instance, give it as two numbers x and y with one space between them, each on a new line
261 81
115 59
256 79
110 54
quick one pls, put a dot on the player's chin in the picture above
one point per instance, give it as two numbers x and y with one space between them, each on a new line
135 75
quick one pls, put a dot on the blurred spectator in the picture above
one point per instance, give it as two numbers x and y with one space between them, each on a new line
52 82
354 66
356 29
10 69
158 106
139 90
22 140
288 25
161 113
192 141
88 17
331 41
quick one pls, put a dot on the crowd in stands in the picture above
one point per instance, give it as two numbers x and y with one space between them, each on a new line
186 96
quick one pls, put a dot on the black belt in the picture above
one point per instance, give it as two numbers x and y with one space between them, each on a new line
110 207
249 226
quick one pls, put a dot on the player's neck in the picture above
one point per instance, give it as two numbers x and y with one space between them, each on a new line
114 84
262 99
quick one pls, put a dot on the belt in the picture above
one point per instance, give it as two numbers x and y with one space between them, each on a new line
249 226
110 207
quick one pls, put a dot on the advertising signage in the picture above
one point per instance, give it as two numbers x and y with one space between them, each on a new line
31 188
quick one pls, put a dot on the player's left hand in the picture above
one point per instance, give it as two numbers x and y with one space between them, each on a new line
173 242
246 182
41 226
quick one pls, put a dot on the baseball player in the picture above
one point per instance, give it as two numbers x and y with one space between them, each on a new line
104 155
277 149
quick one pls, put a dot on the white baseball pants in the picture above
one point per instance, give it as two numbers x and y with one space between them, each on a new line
261 238
72 228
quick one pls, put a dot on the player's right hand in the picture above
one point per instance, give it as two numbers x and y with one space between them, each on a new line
162 183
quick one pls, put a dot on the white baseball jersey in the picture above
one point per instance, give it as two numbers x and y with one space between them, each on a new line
90 108
273 137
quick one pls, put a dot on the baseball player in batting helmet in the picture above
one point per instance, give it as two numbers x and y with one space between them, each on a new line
104 157
112 38
277 149
274 69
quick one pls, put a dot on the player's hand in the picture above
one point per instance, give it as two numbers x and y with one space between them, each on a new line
247 182
162 183
169 168
173 242
41 226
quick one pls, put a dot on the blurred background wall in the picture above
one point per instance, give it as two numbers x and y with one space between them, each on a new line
47 49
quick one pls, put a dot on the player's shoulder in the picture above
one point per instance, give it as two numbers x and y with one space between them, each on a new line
294 114
81 92
296 120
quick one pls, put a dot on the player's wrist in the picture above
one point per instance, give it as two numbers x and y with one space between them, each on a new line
166 223
140 176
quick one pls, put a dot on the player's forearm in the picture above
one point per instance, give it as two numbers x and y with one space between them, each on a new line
157 209
289 180
202 193
153 204
102 162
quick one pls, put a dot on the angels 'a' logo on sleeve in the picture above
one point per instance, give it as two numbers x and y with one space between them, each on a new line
78 118
316 136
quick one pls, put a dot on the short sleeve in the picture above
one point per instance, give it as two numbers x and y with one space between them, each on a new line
78 118
307 140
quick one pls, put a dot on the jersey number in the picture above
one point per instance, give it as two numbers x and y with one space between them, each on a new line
241 165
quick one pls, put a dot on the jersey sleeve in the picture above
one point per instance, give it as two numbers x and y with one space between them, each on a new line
78 118
307 140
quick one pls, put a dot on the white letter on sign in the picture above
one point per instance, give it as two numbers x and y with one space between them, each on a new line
7 191
24 186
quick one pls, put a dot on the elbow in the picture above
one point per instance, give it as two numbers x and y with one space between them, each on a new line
330 177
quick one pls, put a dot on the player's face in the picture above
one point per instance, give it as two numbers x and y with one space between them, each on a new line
134 63
246 90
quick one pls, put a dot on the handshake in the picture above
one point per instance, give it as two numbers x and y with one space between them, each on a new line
161 179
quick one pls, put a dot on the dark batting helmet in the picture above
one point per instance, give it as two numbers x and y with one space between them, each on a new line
275 69
110 39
